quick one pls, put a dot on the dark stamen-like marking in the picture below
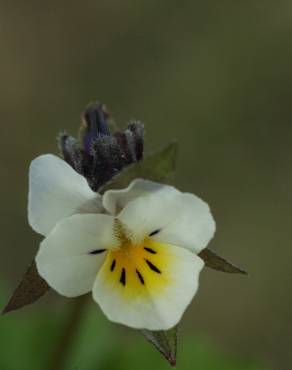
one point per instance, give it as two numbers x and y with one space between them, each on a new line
153 267
123 277
113 265
154 232
150 250
97 251
140 277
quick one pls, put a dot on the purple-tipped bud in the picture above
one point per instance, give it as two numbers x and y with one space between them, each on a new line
98 155
94 125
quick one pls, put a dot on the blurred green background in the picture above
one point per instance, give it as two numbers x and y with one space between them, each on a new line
216 76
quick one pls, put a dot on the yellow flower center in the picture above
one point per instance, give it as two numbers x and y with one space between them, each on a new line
138 269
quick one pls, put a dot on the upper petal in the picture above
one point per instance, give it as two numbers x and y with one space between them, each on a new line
146 290
192 226
71 255
115 200
176 218
56 191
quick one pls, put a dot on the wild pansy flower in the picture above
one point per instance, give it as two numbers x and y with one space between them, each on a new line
136 249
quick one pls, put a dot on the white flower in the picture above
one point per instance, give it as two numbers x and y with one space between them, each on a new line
135 249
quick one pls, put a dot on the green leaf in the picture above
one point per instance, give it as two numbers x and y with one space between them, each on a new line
165 342
159 167
215 262
31 288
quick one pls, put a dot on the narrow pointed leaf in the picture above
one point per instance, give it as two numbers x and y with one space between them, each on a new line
31 288
159 167
215 262
165 342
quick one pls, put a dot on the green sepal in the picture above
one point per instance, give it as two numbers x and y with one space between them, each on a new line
216 262
158 167
31 288
165 342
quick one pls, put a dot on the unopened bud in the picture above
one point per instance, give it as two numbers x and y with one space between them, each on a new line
94 125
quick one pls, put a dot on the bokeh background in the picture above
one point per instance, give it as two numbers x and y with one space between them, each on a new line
216 76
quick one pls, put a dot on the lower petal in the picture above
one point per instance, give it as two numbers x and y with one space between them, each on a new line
148 286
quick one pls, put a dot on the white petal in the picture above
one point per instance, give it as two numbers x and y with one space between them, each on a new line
159 300
116 200
56 191
64 259
192 226
182 219
147 214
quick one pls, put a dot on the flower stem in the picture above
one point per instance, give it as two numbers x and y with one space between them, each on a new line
67 336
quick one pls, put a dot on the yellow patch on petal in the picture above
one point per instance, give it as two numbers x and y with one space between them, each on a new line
138 270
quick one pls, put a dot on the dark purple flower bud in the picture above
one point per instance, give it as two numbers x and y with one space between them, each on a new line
71 151
94 125
131 141
112 153
98 155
